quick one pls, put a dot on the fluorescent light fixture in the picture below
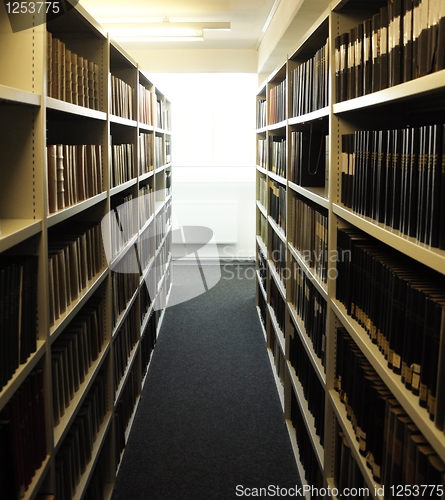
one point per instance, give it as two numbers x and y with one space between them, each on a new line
137 30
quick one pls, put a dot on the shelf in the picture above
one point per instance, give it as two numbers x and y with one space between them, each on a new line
310 117
278 178
123 121
128 368
261 208
279 334
21 374
301 471
16 96
146 175
277 228
408 91
73 109
122 187
315 360
409 401
14 231
68 212
307 417
315 194
263 329
315 279
345 424
277 279
143 127
262 246
37 480
279 385
61 430
431 257
75 306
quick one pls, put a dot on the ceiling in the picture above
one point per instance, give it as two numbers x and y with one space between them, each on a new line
247 18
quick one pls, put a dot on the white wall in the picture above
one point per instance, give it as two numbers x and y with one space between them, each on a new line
213 147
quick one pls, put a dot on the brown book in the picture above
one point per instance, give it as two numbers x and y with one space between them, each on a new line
60 177
423 451
52 178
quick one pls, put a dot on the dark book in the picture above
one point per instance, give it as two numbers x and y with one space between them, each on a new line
367 56
422 42
395 19
359 60
351 68
440 55
408 40
436 146
376 54
396 181
384 53
344 65
8 480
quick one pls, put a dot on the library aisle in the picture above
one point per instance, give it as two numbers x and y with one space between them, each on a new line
209 423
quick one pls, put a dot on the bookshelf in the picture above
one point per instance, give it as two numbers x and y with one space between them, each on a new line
359 126
85 252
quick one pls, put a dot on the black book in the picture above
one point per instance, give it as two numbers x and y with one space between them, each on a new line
422 182
313 159
359 60
395 54
441 160
8 481
408 40
384 55
344 66
422 42
388 176
367 56
413 180
440 56
375 50
416 35
433 228
351 68
396 178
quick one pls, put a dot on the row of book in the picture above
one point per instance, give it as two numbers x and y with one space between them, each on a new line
125 278
262 309
309 83
307 163
309 234
397 177
159 151
313 390
262 268
277 252
75 453
123 222
148 342
122 163
278 155
121 102
146 105
124 410
75 173
163 117
347 473
71 77
262 191
312 472
74 258
310 306
278 306
73 353
263 229
400 305
18 313
168 153
277 203
147 247
395 450
262 153
404 40
278 357
261 113
123 343
277 103
146 154
146 204
22 437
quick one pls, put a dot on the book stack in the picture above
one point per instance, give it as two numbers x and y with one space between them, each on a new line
277 203
71 77
397 177
148 342
145 301
307 164
313 390
278 257
145 103
403 41
159 151
312 472
309 83
146 160
163 115
75 452
18 313
277 305
347 473
124 409
311 308
261 113
75 173
400 305
122 164
262 153
123 222
22 436
121 98
74 258
395 450
278 155
310 236
73 353
146 204
277 103
124 341
124 282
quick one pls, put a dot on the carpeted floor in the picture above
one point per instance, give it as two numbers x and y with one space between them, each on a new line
209 419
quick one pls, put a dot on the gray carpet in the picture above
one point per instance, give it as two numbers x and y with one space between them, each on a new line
209 418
